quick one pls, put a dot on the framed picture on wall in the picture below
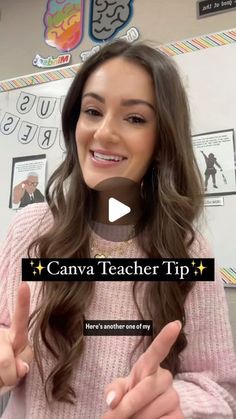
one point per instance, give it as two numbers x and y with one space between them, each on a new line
215 154
27 181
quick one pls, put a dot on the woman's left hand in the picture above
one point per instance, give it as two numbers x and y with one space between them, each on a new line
147 392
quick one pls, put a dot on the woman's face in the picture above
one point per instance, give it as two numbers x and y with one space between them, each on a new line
116 130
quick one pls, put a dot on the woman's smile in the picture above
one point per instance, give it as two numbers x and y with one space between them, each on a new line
103 158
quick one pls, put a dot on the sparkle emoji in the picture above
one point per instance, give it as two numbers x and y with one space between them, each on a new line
39 267
201 267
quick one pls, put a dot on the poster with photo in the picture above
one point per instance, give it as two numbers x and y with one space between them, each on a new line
27 181
215 154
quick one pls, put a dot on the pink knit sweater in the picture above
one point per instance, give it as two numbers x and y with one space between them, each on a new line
207 381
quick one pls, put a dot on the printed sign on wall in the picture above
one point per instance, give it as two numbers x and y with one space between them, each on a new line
215 153
27 181
207 8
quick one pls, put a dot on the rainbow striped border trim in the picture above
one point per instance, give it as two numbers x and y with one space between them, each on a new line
175 48
38 78
203 42
228 275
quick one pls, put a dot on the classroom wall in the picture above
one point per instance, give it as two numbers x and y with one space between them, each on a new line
211 94
203 73
22 29
22 36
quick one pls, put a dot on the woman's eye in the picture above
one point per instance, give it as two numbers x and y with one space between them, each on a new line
134 119
92 112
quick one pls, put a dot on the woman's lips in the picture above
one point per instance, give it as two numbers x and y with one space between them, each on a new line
106 159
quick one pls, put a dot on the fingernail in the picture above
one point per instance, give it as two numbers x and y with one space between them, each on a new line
26 367
110 397
179 324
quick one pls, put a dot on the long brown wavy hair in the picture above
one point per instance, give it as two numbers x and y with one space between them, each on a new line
172 193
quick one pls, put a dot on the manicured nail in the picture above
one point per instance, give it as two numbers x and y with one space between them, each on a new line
110 397
26 367
179 324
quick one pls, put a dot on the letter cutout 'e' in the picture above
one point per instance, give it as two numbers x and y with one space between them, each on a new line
27 132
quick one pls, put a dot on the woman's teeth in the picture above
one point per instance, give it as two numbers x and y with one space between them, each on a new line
99 156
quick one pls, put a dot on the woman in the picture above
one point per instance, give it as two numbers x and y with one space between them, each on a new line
126 104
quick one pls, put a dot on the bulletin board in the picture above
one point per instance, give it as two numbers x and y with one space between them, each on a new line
30 125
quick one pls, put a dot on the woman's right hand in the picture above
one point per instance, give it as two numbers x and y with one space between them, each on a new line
15 351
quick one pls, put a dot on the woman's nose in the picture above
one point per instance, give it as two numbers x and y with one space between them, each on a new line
106 130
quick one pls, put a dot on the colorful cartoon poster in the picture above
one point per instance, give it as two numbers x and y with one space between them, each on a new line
63 21
27 181
108 17
215 153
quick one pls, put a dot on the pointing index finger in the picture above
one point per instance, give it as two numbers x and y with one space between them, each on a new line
19 326
150 360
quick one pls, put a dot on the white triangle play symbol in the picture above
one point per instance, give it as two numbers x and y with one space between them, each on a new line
117 209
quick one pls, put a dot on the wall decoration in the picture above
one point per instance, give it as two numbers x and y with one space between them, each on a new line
207 8
39 78
228 275
30 125
50 62
27 181
47 137
131 35
63 21
217 39
62 142
86 54
215 153
42 110
108 17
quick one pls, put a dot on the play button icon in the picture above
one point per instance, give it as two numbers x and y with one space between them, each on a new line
117 210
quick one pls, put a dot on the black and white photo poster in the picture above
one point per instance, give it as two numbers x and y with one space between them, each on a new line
215 154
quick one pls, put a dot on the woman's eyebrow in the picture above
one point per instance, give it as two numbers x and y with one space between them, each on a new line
124 102
95 96
130 102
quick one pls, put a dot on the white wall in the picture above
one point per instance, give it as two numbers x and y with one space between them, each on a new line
211 87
